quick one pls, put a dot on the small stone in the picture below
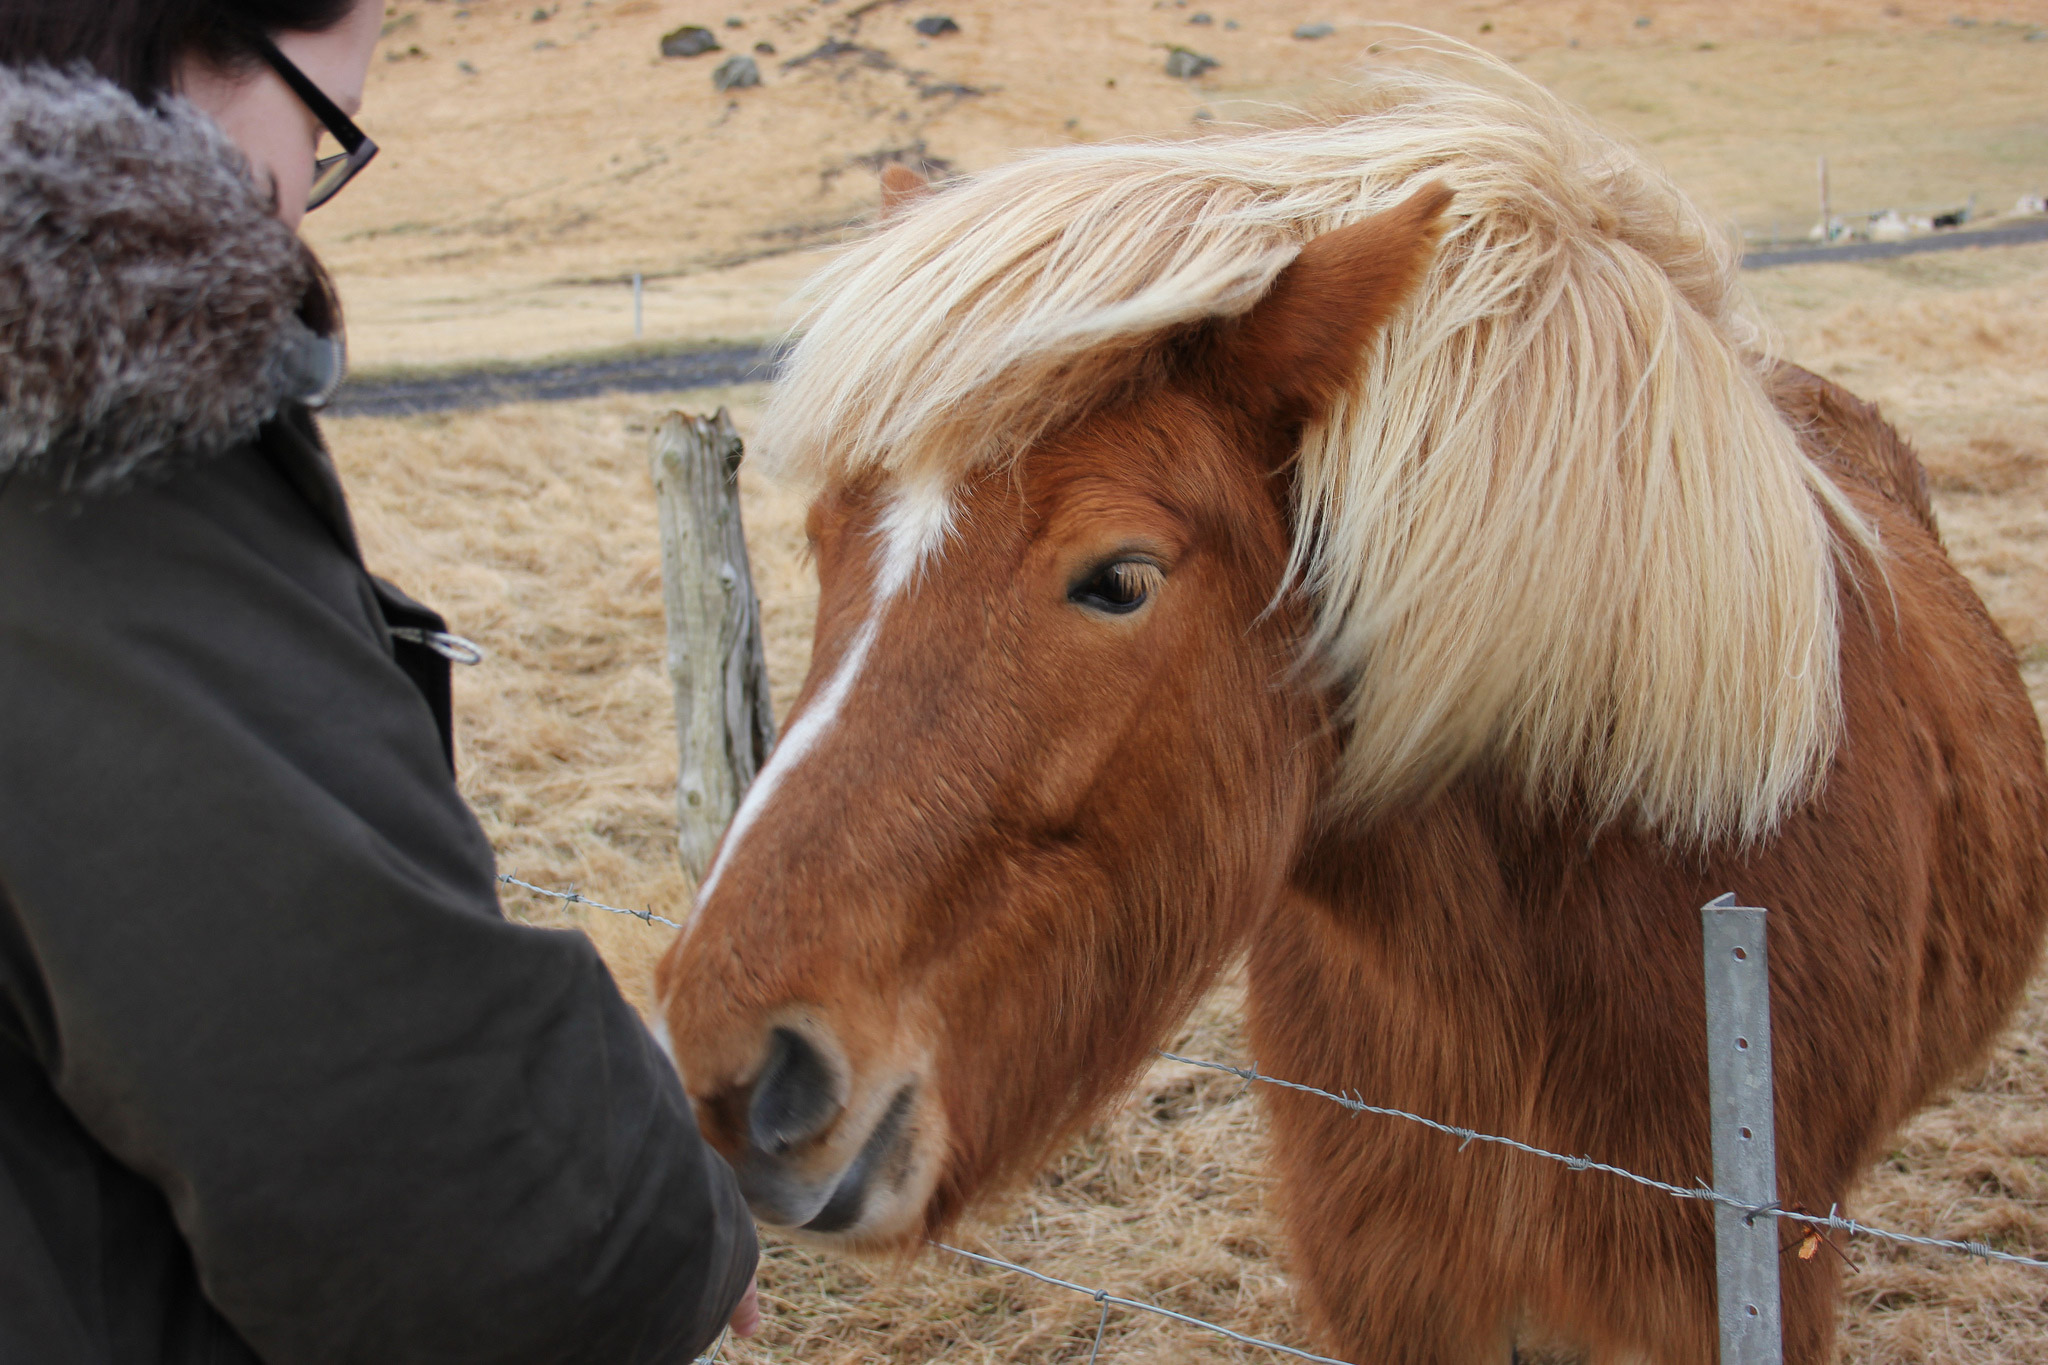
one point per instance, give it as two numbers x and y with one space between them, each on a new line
691 40
1961 21
541 16
1201 18
1486 27
2038 36
1203 116
765 48
736 73
1642 21
465 68
734 21
1230 24
1310 32
936 26
1185 65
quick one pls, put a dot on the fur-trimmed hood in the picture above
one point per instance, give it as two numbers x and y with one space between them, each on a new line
152 309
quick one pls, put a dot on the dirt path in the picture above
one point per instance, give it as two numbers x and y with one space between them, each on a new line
413 396
2016 234
718 368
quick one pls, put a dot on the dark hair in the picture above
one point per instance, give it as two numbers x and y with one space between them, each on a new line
137 44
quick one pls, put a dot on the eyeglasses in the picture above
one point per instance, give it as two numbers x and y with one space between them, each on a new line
330 173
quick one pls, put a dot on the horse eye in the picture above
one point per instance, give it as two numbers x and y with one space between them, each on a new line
1119 588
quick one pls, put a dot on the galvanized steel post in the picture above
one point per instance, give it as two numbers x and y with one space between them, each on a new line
1738 982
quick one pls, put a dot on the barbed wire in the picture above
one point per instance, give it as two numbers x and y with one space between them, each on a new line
1106 1299
1831 1221
1704 1193
575 899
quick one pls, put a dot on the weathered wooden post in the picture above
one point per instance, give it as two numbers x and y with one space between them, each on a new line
724 727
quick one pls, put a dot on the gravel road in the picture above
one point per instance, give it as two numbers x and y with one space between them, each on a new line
743 364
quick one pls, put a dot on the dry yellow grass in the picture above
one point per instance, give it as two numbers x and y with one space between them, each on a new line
532 527
1956 348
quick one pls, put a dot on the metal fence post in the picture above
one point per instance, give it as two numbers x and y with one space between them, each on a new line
1745 1145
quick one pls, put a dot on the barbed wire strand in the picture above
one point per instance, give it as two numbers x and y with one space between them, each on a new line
1466 1136
1830 1221
573 898
1105 1298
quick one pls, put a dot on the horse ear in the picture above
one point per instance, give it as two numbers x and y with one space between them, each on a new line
1298 348
901 187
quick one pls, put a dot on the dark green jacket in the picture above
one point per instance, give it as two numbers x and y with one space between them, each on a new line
278 1080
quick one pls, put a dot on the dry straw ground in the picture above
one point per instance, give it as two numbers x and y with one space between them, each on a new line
532 527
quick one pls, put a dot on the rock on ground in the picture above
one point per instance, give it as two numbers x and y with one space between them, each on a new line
691 40
736 72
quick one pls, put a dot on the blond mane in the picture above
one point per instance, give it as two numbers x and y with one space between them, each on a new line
1556 526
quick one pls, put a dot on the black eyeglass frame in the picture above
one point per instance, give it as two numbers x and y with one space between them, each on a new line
330 173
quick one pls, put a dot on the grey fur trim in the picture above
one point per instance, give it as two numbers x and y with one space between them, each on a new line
148 297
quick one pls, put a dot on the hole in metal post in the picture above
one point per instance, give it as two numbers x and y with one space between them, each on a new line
1751 1309
1745 1134
1742 954
1742 1044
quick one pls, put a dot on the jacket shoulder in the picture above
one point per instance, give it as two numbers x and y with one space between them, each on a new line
149 300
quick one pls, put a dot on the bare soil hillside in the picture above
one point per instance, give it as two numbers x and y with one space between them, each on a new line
537 155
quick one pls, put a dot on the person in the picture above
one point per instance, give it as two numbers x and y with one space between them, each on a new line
278 1080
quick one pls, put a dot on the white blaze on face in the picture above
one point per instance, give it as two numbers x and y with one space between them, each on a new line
911 531
658 1026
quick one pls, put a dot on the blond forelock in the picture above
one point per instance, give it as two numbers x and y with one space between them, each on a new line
1556 525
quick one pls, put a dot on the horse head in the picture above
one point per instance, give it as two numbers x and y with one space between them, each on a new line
1054 758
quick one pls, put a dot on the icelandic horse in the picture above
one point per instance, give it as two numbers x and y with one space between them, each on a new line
1375 547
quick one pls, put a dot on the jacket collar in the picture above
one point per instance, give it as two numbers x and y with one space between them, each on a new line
152 310
293 446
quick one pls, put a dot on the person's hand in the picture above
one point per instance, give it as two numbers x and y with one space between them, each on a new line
746 1318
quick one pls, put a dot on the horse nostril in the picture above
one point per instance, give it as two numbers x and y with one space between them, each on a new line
794 1099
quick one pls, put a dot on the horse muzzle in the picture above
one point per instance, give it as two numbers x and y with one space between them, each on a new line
818 1153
